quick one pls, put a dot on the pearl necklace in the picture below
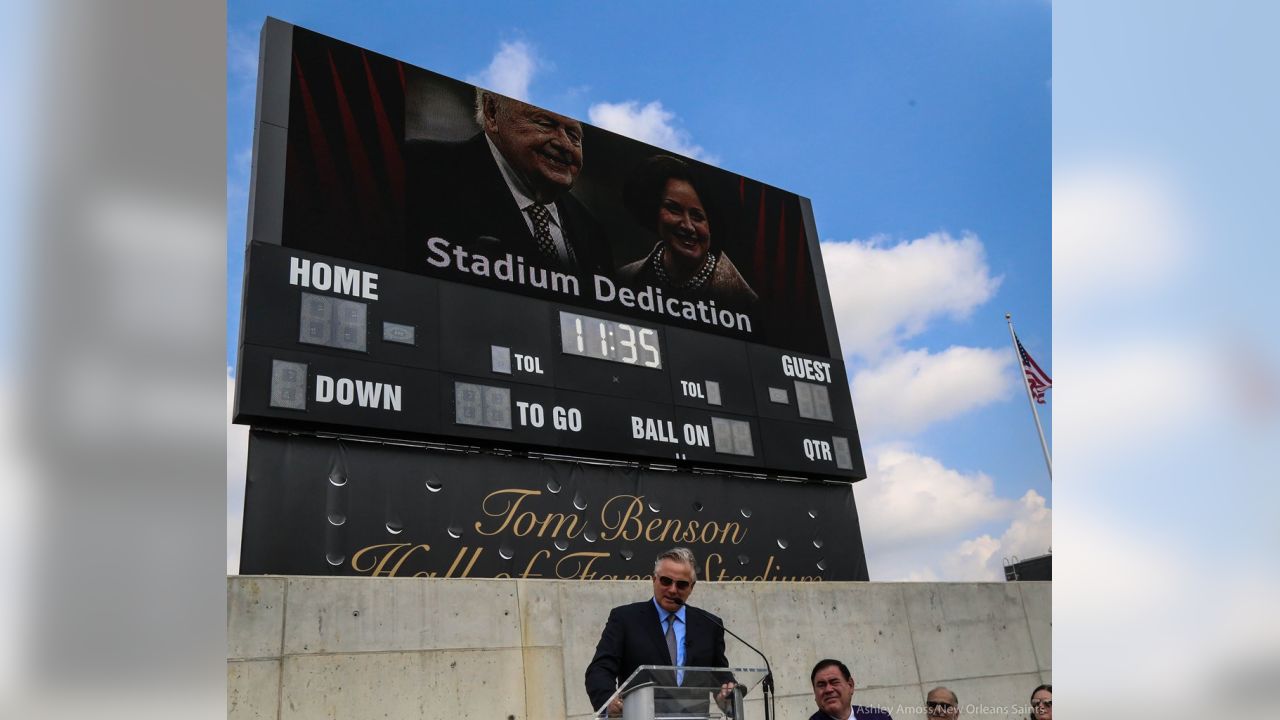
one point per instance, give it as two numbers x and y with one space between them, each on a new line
699 278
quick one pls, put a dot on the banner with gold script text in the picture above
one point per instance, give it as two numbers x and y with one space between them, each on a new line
325 506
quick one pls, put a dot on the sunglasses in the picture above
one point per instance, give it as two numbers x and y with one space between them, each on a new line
936 705
680 584
1042 703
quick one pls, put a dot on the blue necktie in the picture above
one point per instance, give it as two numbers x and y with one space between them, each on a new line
671 637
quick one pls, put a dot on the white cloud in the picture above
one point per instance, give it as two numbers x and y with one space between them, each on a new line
921 520
1134 395
912 499
510 71
884 295
237 459
982 558
1030 533
1105 555
909 391
649 123
1117 232
971 560
1122 587
513 67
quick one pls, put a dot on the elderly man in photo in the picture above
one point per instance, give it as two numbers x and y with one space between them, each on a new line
506 189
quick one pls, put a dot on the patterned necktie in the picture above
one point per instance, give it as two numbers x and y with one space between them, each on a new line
542 229
671 636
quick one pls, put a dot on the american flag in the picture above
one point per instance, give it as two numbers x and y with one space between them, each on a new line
1037 379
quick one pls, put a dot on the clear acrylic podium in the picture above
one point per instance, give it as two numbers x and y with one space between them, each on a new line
662 692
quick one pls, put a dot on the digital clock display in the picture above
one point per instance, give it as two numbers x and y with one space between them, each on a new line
591 337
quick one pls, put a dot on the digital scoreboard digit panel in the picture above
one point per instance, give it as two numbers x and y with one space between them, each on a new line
333 322
485 406
405 300
732 437
605 354
813 402
618 342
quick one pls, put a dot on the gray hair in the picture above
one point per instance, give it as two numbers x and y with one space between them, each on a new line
682 555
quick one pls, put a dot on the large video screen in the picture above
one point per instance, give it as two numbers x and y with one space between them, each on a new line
399 167
433 261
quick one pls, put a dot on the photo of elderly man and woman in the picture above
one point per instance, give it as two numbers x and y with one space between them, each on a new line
447 176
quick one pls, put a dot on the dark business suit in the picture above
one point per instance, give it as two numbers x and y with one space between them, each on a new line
633 637
456 191
859 713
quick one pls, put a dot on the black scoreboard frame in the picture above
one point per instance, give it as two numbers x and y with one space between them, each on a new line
424 389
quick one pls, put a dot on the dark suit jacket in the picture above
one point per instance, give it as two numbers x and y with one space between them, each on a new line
456 191
859 713
633 637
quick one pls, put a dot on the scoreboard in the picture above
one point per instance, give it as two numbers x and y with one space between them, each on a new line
350 347
355 324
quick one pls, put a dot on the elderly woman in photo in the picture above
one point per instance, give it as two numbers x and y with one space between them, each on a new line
664 196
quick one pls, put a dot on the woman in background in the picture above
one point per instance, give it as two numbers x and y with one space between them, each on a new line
1042 703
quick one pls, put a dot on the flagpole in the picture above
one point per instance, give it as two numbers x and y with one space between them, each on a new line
1030 400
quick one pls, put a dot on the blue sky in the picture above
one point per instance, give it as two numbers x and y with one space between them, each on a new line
920 131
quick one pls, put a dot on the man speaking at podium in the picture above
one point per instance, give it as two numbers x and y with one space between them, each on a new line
657 631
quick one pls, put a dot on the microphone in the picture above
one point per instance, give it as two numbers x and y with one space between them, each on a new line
766 686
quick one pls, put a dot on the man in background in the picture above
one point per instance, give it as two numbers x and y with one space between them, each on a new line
942 702
833 691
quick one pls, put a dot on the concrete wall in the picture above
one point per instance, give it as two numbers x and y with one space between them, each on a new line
307 648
